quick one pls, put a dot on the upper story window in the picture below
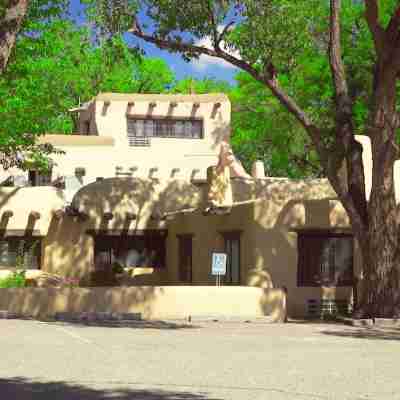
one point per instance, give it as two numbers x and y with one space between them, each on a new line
38 178
143 128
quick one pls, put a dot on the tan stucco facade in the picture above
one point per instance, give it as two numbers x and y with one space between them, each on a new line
107 148
168 192
150 302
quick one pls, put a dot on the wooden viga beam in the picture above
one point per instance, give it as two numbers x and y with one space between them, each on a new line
131 104
187 209
58 213
74 212
35 214
108 216
8 214
131 216
217 105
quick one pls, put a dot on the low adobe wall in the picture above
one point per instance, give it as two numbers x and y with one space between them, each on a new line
152 302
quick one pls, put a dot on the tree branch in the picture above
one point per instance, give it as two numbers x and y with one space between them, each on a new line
213 24
348 160
179 46
377 31
10 25
392 30
224 32
335 57
271 82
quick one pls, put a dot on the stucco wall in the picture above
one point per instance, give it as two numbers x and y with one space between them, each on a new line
291 206
166 154
207 238
268 240
152 302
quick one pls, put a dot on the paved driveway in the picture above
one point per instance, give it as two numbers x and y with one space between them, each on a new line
166 361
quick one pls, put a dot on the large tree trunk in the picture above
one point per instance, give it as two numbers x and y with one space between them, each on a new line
380 250
10 24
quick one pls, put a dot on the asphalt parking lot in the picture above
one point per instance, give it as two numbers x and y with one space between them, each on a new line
209 360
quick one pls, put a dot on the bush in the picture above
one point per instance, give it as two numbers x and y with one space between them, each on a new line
117 268
15 280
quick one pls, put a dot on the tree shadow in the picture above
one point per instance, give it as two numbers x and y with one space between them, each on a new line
149 324
374 333
25 389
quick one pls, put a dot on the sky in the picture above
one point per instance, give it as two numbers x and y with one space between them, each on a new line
205 67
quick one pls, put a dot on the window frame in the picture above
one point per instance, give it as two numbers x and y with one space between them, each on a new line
229 236
15 240
38 178
163 127
181 247
101 240
304 278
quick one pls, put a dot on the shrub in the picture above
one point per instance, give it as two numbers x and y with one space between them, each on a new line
15 280
117 268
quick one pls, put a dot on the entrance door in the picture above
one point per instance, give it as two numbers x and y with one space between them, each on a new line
185 258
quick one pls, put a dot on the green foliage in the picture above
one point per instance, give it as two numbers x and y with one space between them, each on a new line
14 280
58 67
117 268
201 86
112 17
262 130
291 36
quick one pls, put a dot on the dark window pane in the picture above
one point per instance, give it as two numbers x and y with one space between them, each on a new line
4 259
232 249
188 129
139 128
185 258
174 128
343 260
196 129
149 128
131 251
325 260
39 178
20 252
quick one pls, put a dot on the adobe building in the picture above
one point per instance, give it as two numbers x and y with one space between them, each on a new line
135 190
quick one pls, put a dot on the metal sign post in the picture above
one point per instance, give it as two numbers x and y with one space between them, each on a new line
218 266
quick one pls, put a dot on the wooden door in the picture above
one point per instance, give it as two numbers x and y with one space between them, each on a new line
185 258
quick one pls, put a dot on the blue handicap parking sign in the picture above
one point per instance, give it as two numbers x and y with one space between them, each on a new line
218 266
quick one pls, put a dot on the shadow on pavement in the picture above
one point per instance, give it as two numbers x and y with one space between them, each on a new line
168 325
20 388
382 333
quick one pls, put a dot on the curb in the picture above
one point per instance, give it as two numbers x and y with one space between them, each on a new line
369 322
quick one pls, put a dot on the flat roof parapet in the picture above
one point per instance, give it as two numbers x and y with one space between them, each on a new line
172 98
76 140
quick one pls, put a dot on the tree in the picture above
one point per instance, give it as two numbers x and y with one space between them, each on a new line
16 16
267 38
263 130
58 67
12 14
